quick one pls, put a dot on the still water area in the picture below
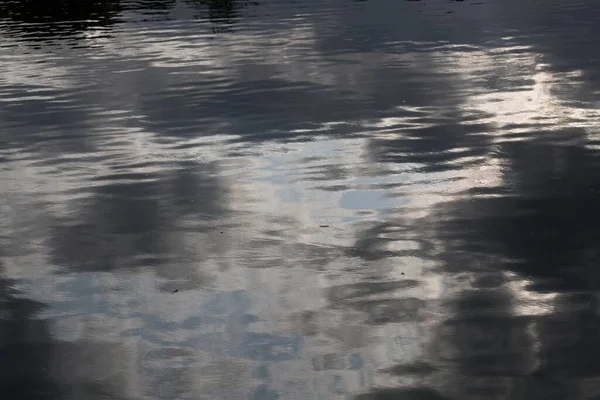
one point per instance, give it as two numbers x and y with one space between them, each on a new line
300 200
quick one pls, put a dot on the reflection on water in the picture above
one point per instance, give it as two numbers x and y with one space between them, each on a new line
43 21
299 200
222 13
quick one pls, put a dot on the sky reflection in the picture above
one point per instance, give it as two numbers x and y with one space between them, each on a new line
209 205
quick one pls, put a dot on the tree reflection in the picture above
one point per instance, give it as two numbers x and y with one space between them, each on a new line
222 13
38 20
150 10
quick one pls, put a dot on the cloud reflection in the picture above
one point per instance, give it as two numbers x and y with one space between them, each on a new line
273 274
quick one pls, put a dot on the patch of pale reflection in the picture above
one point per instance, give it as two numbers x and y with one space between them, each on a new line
387 128
531 100
298 168
212 374
34 70
382 355
220 56
528 302
277 292
288 184
96 37
99 327
278 259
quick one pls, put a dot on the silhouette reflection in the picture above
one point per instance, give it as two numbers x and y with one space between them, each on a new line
222 13
35 365
41 21
25 346
149 6
409 394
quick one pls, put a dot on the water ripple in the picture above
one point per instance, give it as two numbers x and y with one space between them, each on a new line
306 199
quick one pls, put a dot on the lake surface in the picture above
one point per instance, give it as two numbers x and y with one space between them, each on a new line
300 199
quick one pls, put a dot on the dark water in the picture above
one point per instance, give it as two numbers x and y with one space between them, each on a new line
300 199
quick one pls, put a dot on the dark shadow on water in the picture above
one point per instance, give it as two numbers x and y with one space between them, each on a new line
149 6
44 21
24 347
135 221
545 222
541 226
408 394
36 366
222 13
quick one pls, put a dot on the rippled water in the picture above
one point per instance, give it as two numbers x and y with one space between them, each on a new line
299 199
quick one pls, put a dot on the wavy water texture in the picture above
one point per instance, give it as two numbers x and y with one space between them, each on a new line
274 199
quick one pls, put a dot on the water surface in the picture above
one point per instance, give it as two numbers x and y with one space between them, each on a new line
367 200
